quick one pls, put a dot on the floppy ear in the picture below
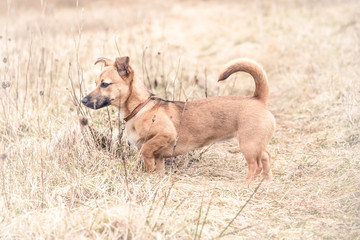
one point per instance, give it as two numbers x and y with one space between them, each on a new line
122 65
106 61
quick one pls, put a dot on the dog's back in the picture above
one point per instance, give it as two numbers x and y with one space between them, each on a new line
202 122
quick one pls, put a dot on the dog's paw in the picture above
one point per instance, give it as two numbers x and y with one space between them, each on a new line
268 176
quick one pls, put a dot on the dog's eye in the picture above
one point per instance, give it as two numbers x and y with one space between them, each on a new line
104 84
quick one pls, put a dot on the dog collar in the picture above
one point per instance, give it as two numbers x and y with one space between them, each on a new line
137 109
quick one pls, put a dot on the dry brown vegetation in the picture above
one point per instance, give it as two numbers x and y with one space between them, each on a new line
57 181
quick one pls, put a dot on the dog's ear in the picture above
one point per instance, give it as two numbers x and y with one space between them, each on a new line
106 61
122 65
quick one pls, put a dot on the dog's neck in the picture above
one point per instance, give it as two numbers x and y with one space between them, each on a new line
138 94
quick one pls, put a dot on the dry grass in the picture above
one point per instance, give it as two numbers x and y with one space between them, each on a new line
57 181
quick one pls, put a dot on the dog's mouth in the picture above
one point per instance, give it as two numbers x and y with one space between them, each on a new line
95 103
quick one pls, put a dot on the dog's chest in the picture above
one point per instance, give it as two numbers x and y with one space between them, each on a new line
133 138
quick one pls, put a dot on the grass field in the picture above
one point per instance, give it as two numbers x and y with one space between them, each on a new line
65 179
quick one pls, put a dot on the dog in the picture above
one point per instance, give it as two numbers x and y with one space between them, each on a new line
162 129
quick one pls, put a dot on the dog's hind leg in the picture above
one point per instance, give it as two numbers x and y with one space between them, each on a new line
259 167
151 150
251 149
266 162
258 161
252 163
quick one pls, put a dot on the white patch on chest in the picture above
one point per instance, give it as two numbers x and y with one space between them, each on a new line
133 138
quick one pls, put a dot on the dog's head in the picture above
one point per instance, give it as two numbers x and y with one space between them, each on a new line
112 85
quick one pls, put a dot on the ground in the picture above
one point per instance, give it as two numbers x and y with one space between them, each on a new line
70 179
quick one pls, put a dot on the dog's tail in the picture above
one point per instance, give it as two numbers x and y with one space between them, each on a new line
255 70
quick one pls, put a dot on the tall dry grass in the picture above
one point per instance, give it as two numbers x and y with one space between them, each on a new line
62 176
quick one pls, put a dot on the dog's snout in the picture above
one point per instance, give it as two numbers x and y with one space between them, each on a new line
85 100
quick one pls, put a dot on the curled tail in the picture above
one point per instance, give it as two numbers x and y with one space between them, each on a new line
255 70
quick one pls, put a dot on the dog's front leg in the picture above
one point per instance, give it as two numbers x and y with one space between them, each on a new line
151 151
159 164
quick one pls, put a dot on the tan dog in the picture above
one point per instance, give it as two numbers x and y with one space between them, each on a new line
164 129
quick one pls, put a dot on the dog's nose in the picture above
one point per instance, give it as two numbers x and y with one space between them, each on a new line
85 100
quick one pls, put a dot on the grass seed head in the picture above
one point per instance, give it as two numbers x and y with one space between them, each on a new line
5 84
84 121
3 156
